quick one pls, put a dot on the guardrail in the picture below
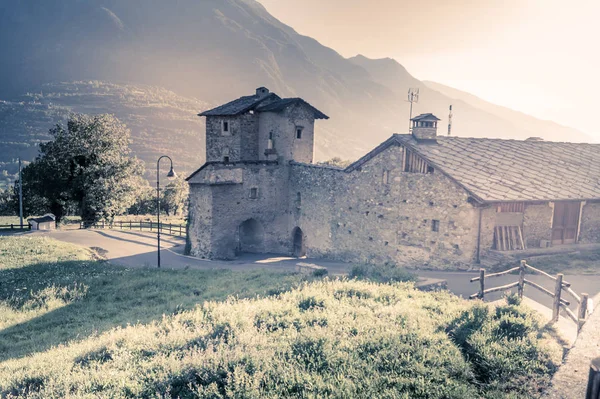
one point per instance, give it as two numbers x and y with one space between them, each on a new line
13 226
177 230
559 286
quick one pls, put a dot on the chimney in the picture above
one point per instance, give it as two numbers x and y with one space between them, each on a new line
424 127
262 92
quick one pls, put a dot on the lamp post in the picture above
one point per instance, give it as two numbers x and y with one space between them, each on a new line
20 194
170 175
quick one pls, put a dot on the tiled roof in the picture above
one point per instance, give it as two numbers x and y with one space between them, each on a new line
241 105
280 105
43 219
426 117
495 170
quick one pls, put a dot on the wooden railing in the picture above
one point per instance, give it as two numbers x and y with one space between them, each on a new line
165 228
560 285
15 227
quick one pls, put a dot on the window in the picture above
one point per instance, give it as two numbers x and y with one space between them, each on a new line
270 142
225 127
254 193
298 199
299 132
435 225
225 154
386 177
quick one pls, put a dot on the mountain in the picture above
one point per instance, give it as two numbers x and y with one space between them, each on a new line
160 121
210 50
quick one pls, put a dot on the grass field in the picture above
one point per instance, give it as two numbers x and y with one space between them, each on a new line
74 327
53 292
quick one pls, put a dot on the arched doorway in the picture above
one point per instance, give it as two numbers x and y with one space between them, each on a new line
298 243
251 237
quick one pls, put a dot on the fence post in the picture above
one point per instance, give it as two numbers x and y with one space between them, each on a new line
481 282
557 292
593 388
582 314
11 226
521 278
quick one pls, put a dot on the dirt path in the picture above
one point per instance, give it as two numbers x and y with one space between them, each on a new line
570 382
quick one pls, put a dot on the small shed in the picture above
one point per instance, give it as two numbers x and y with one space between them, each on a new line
46 222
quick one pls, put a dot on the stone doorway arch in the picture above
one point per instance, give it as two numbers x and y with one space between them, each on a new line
251 237
298 243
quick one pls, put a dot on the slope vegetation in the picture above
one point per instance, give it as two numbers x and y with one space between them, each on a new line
325 339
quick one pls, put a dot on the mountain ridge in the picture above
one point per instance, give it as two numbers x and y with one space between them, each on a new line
215 51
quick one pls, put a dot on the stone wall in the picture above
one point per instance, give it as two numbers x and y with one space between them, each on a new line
411 219
282 126
590 223
200 222
234 204
537 224
241 140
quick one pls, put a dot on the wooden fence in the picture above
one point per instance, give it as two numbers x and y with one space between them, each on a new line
165 228
14 227
560 285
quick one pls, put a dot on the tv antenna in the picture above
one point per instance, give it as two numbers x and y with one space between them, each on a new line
450 121
413 97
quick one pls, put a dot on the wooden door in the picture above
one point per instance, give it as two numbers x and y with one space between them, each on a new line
566 222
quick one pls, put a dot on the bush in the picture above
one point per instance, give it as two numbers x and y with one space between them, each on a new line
386 273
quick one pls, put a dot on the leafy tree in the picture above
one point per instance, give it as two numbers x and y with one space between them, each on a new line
174 197
6 203
145 204
336 162
86 166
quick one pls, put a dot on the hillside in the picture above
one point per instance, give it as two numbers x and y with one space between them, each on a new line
212 50
85 329
160 121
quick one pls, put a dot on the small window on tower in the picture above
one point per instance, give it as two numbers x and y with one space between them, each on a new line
226 159
254 193
225 126
435 225
299 132
298 199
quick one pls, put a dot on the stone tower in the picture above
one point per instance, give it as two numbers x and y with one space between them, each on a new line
240 199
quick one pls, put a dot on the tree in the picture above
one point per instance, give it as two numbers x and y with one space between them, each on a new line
175 196
6 203
336 162
86 166
145 203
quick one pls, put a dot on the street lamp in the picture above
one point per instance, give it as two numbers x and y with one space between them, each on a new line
171 175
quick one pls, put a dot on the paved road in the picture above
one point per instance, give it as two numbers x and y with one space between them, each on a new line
137 249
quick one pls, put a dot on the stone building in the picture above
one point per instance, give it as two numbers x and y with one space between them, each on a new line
417 199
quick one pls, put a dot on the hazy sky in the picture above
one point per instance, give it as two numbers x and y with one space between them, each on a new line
537 56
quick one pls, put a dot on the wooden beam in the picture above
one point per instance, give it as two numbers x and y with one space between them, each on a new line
565 284
557 292
545 291
501 288
569 313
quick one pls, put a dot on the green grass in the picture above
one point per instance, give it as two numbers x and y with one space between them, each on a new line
382 273
581 262
74 327
53 292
